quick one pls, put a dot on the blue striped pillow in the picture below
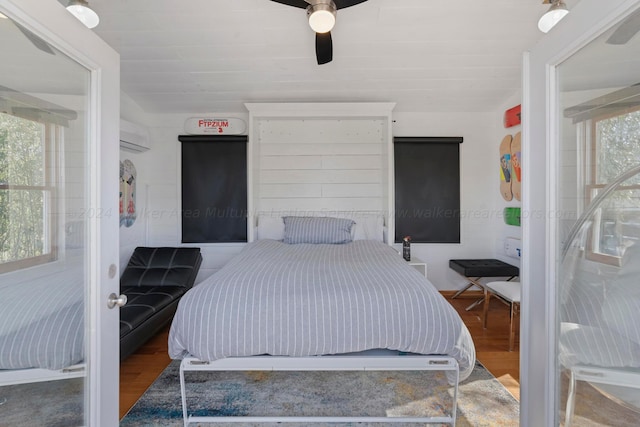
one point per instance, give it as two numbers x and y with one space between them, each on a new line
309 229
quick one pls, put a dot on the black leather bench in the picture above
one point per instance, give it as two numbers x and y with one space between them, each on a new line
474 269
154 281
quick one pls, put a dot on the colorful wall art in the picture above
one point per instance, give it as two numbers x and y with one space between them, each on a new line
127 193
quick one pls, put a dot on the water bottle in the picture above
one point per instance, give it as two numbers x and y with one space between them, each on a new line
406 248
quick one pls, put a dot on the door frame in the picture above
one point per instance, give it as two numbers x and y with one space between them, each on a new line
50 21
538 375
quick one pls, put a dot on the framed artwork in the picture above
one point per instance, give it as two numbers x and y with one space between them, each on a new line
127 193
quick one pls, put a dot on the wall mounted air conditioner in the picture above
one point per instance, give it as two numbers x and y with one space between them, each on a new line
133 137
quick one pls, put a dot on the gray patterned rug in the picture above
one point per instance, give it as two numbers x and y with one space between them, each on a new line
44 404
482 400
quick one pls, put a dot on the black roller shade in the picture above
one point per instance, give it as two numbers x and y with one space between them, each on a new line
427 189
214 188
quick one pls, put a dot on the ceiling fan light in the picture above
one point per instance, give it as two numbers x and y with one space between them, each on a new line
556 12
81 10
322 16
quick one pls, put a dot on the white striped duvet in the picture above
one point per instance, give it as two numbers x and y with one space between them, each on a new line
311 299
42 319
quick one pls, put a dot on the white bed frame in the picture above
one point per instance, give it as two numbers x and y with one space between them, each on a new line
372 360
34 375
628 378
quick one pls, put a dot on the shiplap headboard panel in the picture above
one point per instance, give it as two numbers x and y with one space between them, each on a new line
315 158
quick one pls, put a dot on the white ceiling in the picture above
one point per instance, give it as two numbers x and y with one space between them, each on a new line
215 55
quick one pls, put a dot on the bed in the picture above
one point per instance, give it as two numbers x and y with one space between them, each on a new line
42 325
599 339
314 294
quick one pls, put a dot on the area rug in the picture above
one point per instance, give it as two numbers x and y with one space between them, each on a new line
482 400
44 404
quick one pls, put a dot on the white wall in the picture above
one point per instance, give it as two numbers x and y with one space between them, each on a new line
504 231
136 235
479 188
481 226
162 213
575 162
320 164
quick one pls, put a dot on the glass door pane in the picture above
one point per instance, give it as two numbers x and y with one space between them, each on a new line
598 295
44 238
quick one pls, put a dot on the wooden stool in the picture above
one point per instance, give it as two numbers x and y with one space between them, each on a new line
509 293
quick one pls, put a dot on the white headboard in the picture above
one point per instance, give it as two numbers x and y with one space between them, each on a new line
315 159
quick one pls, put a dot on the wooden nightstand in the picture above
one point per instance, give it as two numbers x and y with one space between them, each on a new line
419 265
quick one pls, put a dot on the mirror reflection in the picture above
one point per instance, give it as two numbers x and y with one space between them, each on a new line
43 238
599 285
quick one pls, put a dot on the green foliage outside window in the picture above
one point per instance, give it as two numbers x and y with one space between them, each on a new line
22 189
618 146
618 150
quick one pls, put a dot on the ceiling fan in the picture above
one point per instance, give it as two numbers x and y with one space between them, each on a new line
626 30
322 17
35 40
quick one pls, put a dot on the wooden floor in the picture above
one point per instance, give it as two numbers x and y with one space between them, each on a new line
492 344
139 370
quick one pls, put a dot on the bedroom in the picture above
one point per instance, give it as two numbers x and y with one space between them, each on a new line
481 128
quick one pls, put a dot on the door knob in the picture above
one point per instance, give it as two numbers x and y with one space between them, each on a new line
115 300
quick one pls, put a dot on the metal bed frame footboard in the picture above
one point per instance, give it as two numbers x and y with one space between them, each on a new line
34 375
365 361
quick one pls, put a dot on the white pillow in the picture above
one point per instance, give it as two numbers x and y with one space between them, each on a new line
317 230
369 228
270 227
589 345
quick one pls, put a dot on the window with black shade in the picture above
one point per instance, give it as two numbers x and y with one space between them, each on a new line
214 188
427 189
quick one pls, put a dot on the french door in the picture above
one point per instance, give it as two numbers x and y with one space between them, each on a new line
581 235
59 115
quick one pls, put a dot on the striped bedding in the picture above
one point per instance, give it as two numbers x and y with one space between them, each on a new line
600 314
42 320
312 299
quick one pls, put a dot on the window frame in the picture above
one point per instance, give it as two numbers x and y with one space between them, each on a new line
51 137
592 186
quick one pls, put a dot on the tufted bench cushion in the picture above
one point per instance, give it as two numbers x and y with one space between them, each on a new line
154 281
145 301
474 269
483 268
162 267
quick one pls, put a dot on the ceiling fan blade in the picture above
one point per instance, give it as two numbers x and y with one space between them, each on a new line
35 40
324 48
302 4
341 4
295 3
324 44
626 30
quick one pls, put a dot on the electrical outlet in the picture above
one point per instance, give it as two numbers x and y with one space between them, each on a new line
512 247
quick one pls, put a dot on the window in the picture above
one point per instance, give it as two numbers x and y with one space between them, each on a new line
614 150
615 144
27 228
214 189
608 131
427 189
